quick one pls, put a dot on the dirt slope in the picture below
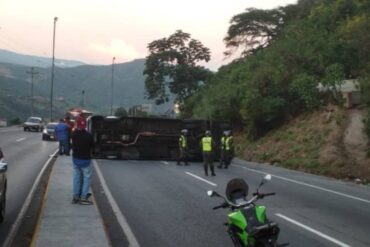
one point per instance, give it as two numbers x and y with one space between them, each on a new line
329 142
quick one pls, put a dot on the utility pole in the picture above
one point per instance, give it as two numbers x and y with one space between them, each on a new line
52 73
83 98
111 102
32 73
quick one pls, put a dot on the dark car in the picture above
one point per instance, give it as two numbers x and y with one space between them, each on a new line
33 123
3 185
49 132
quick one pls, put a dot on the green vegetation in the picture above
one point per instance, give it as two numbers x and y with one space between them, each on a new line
286 52
172 67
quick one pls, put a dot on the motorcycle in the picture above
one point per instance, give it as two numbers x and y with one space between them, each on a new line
247 224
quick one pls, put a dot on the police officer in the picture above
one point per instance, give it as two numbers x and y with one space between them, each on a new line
207 146
183 148
229 148
223 150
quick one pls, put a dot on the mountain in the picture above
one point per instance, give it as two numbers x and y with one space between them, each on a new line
35 61
89 86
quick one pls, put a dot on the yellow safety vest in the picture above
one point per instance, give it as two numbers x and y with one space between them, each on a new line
207 144
228 142
223 143
182 141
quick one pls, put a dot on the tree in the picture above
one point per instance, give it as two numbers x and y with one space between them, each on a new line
253 29
172 67
120 112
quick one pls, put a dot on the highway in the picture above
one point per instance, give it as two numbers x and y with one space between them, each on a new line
25 154
162 204
166 205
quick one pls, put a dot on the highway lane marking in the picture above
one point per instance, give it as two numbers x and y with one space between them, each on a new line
201 179
165 162
14 229
20 139
120 217
331 239
308 185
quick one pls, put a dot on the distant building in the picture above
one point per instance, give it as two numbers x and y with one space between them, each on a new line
351 93
350 90
138 110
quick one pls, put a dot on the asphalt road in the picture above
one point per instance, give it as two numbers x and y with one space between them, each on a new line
25 154
166 205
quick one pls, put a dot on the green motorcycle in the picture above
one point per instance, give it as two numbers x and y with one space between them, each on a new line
247 224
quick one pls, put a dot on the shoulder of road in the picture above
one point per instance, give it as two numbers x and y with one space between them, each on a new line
62 223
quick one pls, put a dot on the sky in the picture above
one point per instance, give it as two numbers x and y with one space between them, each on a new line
95 31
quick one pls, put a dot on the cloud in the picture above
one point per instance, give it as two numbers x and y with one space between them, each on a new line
116 48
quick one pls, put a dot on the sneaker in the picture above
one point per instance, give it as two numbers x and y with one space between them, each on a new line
75 200
85 201
213 174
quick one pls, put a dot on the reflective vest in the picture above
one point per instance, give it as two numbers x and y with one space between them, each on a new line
228 142
207 144
223 143
183 141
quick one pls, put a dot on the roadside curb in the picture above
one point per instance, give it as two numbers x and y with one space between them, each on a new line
23 229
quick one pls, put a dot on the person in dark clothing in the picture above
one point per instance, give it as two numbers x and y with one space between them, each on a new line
183 148
82 146
227 149
70 125
207 146
61 131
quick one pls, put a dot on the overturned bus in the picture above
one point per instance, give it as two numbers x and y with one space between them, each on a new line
150 138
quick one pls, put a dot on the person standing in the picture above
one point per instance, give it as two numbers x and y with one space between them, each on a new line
207 145
70 125
223 150
183 148
229 148
82 146
61 131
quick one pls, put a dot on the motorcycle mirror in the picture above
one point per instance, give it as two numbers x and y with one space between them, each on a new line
212 193
267 178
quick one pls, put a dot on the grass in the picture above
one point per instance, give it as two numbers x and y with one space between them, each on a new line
294 146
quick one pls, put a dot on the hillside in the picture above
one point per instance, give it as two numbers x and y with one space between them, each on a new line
329 142
86 85
34 61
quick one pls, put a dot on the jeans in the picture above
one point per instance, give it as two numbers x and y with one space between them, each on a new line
81 181
63 147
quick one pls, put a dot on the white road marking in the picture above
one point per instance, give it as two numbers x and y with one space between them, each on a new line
165 162
120 217
308 185
313 231
20 139
26 204
201 179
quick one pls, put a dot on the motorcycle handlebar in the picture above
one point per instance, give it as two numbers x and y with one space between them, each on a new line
223 205
262 195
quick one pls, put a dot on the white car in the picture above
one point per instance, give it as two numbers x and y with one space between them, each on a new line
33 123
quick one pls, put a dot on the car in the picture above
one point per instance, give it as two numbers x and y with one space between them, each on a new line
33 123
49 132
3 186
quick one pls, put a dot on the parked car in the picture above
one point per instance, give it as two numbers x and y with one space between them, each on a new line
49 132
3 186
33 123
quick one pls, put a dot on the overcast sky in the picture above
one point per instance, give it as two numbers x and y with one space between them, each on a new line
94 31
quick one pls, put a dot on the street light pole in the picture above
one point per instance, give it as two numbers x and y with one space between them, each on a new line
52 73
111 102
